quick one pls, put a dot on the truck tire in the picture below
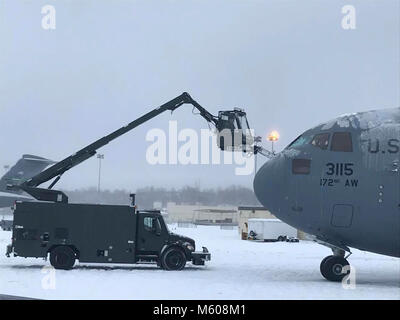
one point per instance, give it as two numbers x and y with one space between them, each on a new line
173 259
62 257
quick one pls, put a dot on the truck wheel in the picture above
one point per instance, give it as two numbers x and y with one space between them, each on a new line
173 259
62 257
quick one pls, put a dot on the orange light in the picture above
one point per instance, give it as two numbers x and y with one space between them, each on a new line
273 136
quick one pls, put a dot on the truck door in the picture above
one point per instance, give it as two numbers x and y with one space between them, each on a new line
151 234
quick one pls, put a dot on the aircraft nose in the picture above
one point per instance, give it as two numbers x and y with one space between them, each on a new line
269 183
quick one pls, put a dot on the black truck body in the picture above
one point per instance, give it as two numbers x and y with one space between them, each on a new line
94 233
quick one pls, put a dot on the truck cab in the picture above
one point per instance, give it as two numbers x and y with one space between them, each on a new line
158 244
92 233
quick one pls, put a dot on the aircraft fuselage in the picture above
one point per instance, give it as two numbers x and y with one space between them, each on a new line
340 182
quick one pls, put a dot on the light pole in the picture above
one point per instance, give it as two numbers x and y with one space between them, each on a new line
273 136
100 157
257 140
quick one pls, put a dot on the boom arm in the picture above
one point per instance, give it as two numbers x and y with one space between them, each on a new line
57 170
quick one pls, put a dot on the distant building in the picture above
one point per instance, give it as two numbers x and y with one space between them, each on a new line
217 215
200 214
249 212
157 205
6 213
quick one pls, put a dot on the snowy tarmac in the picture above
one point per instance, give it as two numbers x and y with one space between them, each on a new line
238 270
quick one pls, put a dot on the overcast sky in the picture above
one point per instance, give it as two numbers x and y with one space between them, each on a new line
289 64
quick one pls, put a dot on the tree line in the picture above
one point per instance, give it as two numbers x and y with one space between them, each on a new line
147 196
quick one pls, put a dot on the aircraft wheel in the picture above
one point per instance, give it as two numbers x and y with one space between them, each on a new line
323 262
62 257
332 268
173 259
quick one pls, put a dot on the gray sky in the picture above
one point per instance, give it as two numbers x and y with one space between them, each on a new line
288 63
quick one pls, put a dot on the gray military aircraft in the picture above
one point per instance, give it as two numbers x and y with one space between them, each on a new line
25 168
340 182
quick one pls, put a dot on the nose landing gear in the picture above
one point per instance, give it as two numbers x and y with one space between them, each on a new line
336 266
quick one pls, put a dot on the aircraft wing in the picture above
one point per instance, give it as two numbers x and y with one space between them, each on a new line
26 167
7 199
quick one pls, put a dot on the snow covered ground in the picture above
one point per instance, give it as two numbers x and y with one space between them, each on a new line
238 270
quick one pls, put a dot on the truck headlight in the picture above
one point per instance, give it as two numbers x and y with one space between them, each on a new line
189 246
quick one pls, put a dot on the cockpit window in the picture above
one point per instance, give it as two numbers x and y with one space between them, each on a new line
301 140
321 141
341 141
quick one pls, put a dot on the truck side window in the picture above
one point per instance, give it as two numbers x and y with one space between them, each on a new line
341 141
321 140
148 223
